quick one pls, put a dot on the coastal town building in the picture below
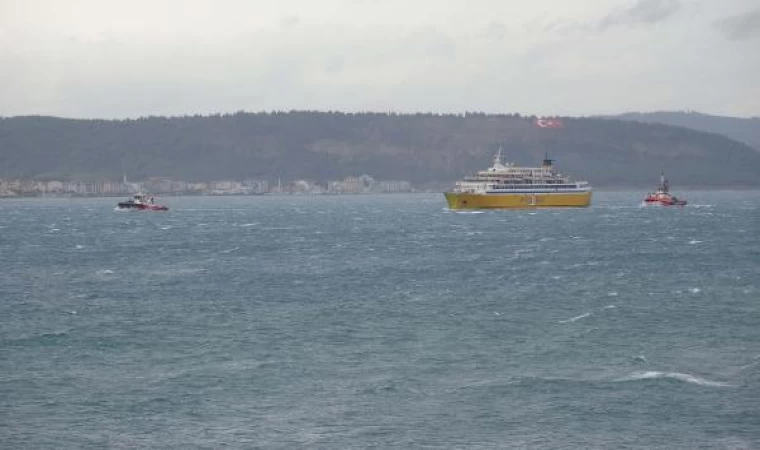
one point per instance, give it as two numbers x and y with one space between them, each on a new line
361 184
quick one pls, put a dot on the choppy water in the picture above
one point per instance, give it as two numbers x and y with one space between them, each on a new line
380 321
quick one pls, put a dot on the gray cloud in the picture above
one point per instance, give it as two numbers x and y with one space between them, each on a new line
642 12
363 56
290 21
741 26
496 30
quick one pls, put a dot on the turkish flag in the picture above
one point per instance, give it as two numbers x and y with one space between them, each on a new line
549 123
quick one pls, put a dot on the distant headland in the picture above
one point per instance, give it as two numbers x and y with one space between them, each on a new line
315 149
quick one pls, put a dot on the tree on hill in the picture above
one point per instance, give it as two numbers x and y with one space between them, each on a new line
328 145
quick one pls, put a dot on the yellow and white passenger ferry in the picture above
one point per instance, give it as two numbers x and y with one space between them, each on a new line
509 186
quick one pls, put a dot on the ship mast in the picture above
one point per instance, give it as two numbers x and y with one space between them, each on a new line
663 182
547 162
497 158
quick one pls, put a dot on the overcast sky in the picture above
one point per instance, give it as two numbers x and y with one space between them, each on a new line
131 58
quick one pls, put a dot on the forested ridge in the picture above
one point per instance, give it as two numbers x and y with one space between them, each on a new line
746 130
321 146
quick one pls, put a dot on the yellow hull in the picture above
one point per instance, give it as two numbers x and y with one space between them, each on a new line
518 201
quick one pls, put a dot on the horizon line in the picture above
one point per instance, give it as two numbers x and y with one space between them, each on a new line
464 113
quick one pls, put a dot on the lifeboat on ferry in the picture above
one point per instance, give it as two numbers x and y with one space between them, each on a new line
663 196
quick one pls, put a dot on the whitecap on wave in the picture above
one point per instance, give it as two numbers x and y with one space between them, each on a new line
619 206
684 377
573 319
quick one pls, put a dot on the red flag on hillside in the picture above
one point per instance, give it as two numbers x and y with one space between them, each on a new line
549 123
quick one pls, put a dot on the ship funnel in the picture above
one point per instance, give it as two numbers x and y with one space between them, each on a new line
547 162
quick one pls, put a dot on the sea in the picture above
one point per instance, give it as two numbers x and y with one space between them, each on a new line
380 321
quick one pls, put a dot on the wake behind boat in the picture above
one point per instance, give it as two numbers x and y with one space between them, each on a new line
141 202
663 196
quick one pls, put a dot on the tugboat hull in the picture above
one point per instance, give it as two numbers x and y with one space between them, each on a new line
142 207
665 202
663 197
141 202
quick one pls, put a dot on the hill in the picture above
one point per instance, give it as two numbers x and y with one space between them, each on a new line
736 128
329 145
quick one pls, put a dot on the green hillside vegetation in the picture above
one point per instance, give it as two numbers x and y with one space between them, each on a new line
320 146
746 130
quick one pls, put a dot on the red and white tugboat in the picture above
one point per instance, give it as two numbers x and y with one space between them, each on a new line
142 202
663 196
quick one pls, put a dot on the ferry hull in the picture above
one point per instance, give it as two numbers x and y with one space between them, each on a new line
518 201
